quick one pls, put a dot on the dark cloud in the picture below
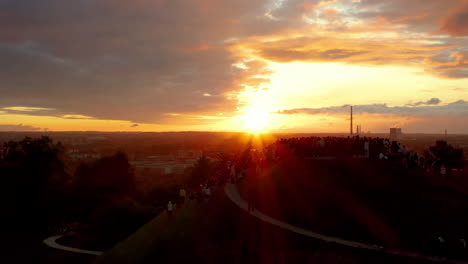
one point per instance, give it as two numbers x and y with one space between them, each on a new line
454 109
415 15
432 101
131 60
134 125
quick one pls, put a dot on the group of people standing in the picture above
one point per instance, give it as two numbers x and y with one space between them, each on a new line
201 193
170 207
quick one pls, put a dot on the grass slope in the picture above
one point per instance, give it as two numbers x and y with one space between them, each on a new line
363 200
219 232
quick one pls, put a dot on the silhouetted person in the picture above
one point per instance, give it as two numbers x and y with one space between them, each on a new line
251 193
182 196
169 209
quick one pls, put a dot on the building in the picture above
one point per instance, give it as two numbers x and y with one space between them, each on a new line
395 133
76 154
162 164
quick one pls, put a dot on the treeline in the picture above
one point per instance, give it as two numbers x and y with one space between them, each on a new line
40 193
33 178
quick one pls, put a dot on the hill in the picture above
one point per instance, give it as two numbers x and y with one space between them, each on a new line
218 231
364 200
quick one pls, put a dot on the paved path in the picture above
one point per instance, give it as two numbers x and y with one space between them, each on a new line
52 242
233 194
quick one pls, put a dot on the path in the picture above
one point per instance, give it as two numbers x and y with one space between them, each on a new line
52 242
233 194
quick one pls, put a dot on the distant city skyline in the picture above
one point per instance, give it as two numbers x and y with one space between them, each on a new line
245 65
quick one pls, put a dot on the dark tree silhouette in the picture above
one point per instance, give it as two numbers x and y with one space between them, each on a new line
221 170
33 175
444 154
201 172
105 178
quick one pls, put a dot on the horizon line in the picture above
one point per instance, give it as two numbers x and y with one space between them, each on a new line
240 132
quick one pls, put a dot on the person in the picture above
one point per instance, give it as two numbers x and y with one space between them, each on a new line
232 172
199 193
182 195
442 246
169 209
250 197
207 193
443 170
381 156
462 242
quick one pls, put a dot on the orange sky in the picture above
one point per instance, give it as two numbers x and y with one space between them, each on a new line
220 65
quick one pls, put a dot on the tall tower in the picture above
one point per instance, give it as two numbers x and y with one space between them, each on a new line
351 125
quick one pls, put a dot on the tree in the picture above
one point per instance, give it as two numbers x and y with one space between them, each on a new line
221 167
105 178
202 170
33 177
444 154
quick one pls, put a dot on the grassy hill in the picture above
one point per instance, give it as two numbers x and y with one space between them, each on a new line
368 201
219 232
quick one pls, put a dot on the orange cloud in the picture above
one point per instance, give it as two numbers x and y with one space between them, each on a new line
456 22
454 65
347 50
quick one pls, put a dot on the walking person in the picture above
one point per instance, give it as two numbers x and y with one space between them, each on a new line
252 178
182 196
250 197
170 208
207 193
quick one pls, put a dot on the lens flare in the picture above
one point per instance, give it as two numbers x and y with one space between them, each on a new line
255 120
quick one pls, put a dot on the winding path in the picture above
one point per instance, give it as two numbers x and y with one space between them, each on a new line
233 194
52 242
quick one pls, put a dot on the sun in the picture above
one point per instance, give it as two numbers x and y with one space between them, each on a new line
256 114
255 120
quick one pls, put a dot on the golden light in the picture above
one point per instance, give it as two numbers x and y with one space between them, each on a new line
256 115
255 120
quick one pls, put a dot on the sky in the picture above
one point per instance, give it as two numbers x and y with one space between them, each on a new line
224 65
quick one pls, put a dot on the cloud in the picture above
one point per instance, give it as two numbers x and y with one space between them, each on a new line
432 101
26 109
412 16
430 109
288 55
140 60
435 58
134 125
373 32
451 65
76 117
41 111
132 60
456 22
19 127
